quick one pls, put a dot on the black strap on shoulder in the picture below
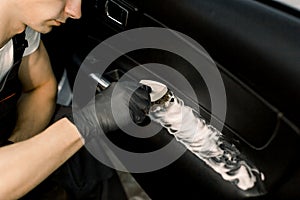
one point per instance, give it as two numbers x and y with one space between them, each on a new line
20 43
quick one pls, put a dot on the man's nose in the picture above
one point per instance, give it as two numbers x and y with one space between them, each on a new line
73 9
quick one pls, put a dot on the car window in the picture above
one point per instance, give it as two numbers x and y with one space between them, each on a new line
292 3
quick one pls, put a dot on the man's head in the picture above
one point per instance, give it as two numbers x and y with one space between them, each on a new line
42 15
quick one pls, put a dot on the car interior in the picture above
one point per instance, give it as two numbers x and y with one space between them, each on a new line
255 46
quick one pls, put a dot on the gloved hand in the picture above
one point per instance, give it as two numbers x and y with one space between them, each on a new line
130 101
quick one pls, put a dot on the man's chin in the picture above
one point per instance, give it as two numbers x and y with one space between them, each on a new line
46 29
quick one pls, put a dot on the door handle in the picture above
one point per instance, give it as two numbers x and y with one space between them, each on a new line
116 12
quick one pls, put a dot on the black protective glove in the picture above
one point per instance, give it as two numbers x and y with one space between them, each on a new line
130 102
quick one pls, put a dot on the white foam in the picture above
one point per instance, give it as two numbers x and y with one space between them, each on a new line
204 141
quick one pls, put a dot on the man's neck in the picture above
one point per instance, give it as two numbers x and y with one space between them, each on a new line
9 23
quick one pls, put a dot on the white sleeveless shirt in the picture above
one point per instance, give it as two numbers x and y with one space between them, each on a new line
7 52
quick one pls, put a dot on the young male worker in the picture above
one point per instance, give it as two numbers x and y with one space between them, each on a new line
28 95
